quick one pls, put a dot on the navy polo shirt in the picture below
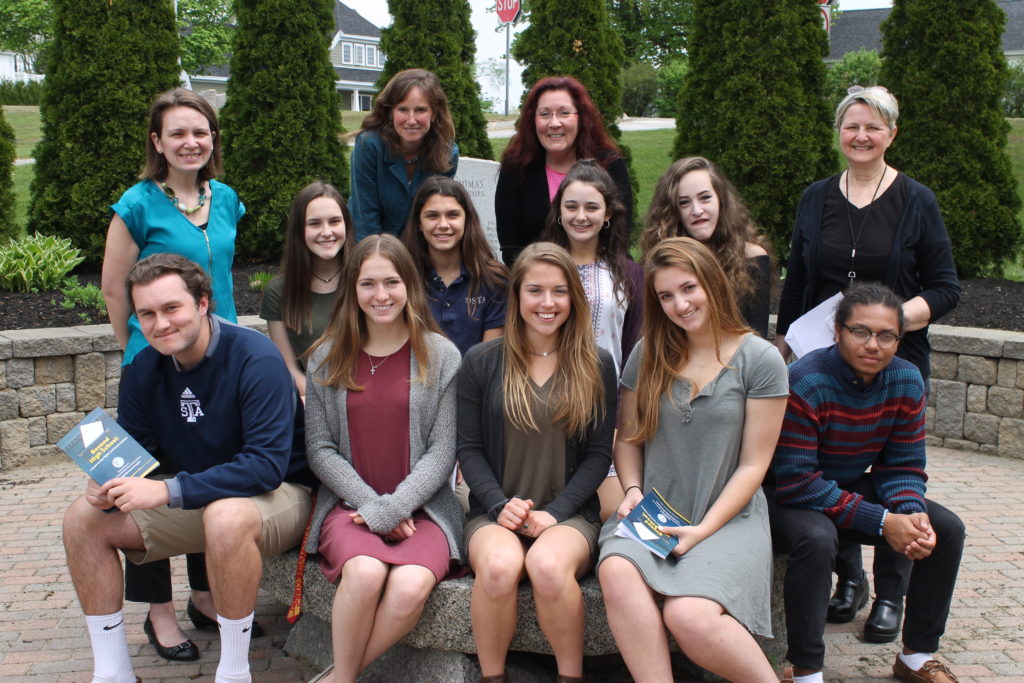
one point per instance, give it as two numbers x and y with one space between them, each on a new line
463 318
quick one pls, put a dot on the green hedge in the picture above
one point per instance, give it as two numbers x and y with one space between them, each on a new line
945 64
107 63
18 92
7 226
282 120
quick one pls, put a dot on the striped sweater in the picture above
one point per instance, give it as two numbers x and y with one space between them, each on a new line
835 428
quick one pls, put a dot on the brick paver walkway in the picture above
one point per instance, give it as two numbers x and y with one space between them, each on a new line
43 637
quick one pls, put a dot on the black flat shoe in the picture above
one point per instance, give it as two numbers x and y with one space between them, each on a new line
182 652
203 622
884 621
850 597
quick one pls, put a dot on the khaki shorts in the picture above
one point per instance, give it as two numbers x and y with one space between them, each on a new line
167 532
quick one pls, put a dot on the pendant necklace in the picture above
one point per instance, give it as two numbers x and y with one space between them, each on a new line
327 280
543 354
854 239
374 366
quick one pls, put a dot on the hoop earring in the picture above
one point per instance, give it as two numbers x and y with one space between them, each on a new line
558 219
607 224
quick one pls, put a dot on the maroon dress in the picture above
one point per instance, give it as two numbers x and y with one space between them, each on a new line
378 423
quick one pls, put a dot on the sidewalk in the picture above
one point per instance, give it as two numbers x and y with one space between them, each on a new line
43 637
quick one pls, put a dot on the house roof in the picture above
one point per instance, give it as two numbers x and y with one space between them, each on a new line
857 29
351 23
347 73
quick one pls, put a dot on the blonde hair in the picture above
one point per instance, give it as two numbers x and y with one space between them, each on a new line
346 332
666 348
577 395
878 99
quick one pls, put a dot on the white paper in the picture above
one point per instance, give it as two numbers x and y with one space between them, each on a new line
815 329
90 432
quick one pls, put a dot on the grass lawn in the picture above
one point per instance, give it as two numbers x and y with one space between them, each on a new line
27 128
22 177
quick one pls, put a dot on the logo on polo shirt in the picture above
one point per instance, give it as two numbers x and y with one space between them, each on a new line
190 409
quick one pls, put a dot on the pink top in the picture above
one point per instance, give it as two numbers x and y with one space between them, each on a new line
554 180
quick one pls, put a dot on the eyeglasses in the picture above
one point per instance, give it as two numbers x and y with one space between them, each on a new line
863 334
547 114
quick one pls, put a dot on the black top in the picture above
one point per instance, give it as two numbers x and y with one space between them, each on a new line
874 241
521 204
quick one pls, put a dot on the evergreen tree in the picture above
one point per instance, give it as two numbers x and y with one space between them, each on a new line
8 229
107 62
438 36
752 103
944 63
282 120
579 43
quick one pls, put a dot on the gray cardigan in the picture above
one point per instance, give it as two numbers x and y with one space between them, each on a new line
431 450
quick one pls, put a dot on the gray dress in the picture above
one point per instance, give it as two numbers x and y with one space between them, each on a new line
690 460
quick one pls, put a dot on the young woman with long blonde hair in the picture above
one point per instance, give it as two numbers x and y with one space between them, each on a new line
380 435
702 404
536 418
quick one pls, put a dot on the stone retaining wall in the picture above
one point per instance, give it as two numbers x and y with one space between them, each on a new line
50 378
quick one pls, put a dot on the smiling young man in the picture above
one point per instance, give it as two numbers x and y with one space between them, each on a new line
850 465
217 407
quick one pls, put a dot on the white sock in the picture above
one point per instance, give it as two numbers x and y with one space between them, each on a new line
810 678
916 660
111 662
234 649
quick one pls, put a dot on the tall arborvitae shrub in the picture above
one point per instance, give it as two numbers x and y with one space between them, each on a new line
578 42
944 63
7 227
439 37
752 103
282 120
107 63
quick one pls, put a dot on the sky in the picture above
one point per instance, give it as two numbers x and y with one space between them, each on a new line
490 44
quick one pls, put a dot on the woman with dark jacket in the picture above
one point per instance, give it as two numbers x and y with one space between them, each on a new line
559 125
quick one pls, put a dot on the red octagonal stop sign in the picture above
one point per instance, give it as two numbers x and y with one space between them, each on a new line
508 10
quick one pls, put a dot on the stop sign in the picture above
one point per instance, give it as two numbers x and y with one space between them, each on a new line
508 10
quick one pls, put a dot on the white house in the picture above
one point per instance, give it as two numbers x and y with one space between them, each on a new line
14 68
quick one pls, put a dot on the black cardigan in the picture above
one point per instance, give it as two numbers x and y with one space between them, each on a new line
920 264
481 420
522 201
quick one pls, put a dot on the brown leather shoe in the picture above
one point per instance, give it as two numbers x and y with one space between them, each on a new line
787 675
931 671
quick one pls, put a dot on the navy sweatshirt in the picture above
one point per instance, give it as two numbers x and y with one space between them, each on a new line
232 426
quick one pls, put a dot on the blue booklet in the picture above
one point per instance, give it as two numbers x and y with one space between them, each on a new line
642 523
104 450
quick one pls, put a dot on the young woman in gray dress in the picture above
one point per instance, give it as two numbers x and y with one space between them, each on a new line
701 408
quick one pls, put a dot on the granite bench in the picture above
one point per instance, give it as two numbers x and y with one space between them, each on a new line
441 646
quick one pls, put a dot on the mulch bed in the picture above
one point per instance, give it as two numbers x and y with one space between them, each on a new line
989 303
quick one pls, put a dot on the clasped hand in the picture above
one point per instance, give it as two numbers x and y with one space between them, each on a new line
911 535
127 494
518 515
405 529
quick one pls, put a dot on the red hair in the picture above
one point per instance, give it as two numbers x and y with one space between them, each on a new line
592 139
